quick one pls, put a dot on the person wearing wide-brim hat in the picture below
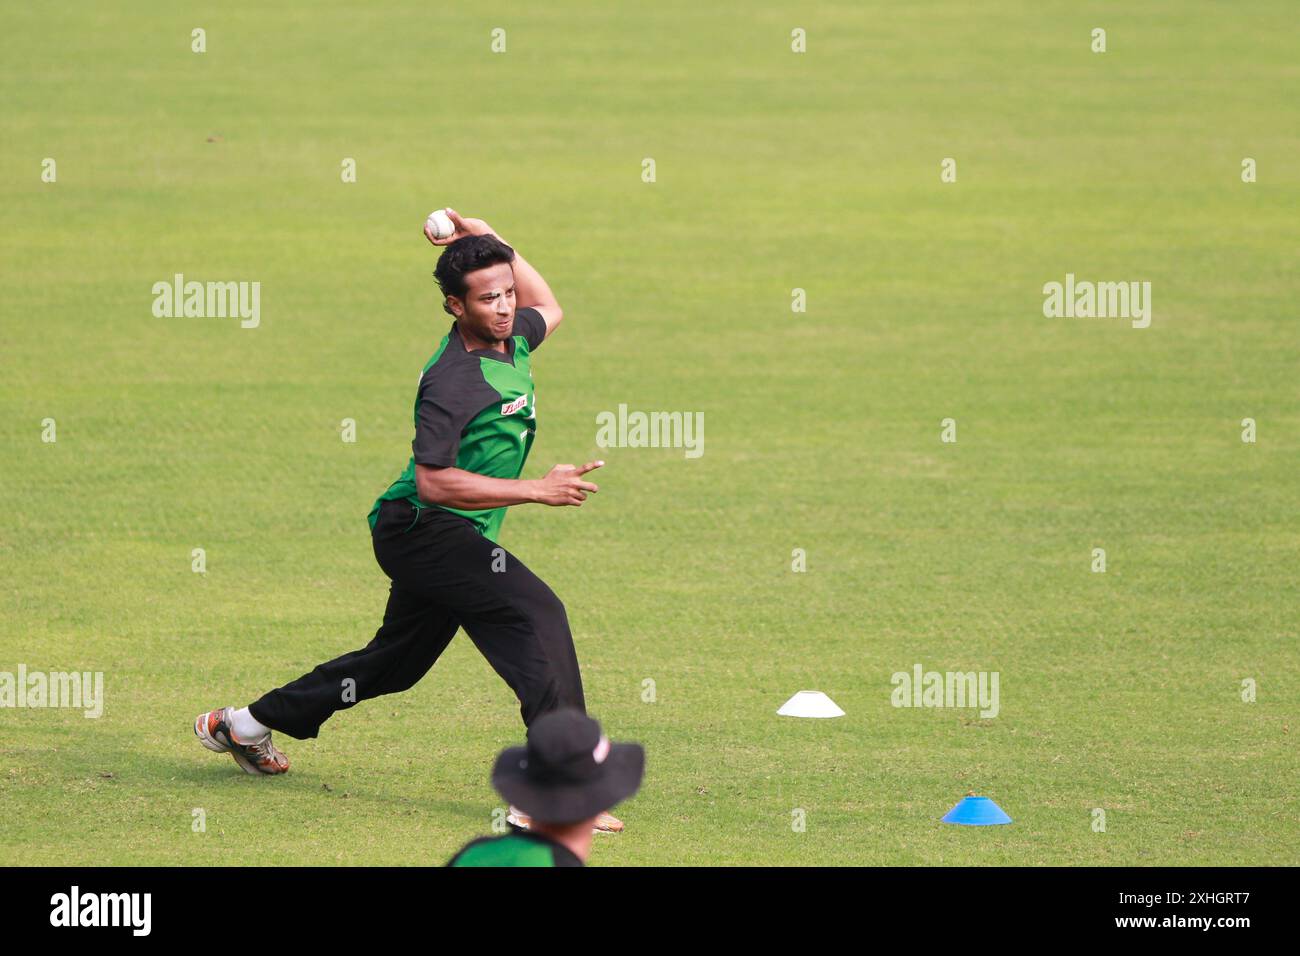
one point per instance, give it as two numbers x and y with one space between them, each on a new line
566 776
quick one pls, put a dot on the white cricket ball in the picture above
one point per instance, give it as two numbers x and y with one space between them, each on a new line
439 223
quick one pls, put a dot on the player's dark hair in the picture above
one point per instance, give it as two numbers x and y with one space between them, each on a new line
468 254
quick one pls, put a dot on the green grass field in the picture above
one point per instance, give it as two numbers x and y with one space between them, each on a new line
775 171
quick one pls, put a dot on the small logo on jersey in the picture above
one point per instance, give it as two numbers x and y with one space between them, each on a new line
509 408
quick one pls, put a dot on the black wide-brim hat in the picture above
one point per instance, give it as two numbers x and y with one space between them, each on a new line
569 771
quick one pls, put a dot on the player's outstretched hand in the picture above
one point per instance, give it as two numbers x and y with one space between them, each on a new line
464 227
563 484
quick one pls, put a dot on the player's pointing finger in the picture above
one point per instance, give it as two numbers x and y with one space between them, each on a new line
590 466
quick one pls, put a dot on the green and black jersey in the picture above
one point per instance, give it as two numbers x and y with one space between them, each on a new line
520 848
474 410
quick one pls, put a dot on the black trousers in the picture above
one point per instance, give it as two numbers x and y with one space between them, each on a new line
445 575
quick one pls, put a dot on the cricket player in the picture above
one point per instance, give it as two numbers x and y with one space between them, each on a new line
565 776
435 529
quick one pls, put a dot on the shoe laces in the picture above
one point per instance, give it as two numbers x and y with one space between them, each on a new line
262 748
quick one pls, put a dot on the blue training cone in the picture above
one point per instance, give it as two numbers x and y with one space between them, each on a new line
976 812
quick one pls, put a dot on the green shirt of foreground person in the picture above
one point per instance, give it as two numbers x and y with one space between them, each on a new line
567 775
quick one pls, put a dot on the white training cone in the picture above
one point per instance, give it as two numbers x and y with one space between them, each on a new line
810 703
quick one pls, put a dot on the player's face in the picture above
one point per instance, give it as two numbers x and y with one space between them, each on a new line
488 309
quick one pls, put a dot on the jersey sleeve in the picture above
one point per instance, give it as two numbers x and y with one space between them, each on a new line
530 324
440 417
